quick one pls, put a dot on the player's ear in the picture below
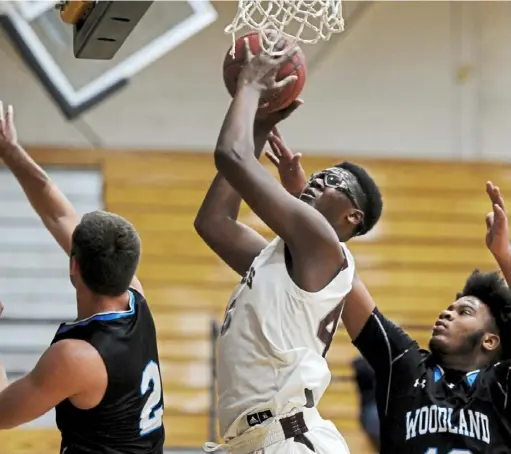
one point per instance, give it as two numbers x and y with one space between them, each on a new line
490 342
355 217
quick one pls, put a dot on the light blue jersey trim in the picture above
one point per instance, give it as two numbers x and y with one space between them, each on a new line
471 377
438 373
103 316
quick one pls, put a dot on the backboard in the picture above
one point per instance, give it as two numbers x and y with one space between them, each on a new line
46 45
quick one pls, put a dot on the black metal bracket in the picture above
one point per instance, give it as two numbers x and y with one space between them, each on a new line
27 54
106 27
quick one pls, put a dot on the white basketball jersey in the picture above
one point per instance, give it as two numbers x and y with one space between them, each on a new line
271 352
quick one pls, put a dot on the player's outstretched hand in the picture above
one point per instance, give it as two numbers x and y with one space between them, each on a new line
261 69
290 169
8 135
497 228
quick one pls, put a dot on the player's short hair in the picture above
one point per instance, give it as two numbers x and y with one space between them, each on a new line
374 204
493 291
106 248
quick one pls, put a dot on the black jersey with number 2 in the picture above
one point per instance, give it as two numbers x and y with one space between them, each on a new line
129 419
425 409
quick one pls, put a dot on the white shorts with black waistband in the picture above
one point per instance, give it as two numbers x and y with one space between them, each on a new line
321 437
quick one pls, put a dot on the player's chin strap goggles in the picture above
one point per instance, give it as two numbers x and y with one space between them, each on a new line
339 179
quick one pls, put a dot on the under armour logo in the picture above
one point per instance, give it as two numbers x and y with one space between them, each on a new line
450 385
421 383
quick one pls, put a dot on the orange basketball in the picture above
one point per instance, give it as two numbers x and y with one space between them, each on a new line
277 101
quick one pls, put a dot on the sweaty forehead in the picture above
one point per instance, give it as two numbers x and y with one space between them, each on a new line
480 308
471 301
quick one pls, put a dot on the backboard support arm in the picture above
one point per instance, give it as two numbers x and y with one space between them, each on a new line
105 28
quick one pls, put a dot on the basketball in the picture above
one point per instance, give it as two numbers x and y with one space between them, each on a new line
279 100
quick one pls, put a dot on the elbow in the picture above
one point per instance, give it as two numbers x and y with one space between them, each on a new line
228 159
200 225
223 157
208 230
205 225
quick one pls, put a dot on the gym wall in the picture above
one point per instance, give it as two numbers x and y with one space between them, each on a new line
414 79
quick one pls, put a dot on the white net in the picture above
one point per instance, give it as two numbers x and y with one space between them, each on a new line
305 21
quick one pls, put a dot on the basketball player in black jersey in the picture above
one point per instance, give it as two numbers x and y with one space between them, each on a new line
455 398
101 372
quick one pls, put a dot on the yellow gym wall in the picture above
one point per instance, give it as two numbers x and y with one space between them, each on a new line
430 238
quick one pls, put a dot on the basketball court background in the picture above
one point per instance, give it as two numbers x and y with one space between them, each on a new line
424 79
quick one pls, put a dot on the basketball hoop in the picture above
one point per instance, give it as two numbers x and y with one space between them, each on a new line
303 21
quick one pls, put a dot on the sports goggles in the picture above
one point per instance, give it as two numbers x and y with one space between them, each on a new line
338 179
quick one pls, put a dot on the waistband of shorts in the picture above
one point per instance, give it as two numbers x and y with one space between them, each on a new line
271 431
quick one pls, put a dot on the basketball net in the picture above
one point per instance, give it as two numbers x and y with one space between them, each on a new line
302 21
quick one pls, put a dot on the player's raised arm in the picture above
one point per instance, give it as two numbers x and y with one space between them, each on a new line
497 231
49 202
68 369
52 206
307 233
216 222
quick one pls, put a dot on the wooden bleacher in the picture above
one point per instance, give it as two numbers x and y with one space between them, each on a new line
430 238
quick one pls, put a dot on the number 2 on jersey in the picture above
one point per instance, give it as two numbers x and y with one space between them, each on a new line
452 451
151 418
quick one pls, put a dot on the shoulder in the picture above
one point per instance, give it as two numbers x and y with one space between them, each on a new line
500 371
70 360
336 288
138 296
71 353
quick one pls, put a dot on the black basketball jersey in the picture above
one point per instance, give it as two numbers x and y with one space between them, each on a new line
425 409
129 419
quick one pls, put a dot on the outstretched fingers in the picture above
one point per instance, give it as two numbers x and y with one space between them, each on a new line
489 219
9 116
274 148
499 216
271 156
279 149
495 195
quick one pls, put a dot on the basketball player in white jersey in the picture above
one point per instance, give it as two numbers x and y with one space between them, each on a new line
281 318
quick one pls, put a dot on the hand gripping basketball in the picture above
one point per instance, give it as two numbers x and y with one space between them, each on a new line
261 70
236 60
